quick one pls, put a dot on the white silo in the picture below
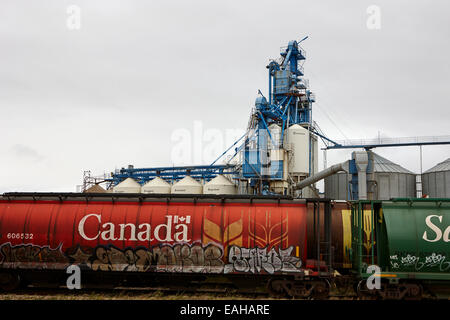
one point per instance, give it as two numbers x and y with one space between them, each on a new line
219 185
187 185
129 185
303 156
297 141
156 185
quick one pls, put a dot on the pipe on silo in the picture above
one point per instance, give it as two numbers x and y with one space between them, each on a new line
344 166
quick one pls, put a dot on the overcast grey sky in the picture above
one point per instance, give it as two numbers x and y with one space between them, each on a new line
113 92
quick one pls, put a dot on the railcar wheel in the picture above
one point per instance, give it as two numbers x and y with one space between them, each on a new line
9 281
364 293
321 290
415 292
276 288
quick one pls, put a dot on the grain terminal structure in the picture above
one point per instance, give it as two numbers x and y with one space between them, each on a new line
279 153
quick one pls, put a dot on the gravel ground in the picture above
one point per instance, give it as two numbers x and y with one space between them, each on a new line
117 294
129 294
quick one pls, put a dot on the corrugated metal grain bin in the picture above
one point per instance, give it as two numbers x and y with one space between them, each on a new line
436 181
389 180
337 186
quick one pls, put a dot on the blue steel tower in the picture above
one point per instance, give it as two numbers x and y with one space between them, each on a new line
290 102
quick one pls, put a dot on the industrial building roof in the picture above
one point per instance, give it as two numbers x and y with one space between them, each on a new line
384 165
443 166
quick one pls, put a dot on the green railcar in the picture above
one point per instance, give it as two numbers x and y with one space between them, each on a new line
406 241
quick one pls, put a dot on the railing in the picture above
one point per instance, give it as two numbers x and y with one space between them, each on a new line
302 51
392 141
304 83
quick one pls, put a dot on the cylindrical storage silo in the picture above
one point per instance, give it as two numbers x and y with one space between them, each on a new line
187 185
337 186
297 140
219 185
129 185
436 181
388 180
156 185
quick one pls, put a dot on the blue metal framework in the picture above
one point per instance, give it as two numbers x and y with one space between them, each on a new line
290 99
172 174
290 102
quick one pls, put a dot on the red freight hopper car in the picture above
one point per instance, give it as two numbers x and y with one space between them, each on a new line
136 233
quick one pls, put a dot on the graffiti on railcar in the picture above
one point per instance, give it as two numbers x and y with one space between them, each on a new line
193 258
428 260
189 258
256 260
28 256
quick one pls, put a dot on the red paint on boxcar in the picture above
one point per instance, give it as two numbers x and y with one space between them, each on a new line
154 236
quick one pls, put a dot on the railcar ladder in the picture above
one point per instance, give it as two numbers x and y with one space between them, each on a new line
323 243
363 223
